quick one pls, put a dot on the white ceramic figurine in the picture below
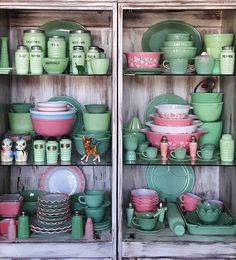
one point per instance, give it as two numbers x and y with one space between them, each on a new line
20 153
6 152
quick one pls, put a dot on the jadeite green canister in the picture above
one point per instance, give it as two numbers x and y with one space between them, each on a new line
39 149
34 37
227 148
36 56
78 58
52 148
56 47
65 149
22 60
93 53
81 38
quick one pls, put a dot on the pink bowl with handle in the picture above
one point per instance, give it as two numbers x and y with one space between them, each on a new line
174 140
53 127
143 59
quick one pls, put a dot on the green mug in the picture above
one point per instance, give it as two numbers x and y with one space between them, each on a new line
100 66
145 223
206 152
177 65
93 198
178 153
150 152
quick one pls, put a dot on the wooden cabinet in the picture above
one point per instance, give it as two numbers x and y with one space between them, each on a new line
136 91
101 20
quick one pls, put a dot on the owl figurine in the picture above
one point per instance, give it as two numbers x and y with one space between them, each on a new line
20 152
6 151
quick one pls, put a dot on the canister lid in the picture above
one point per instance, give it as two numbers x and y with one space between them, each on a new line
228 48
22 47
164 139
226 137
193 139
94 48
59 37
23 213
52 138
33 31
36 48
77 213
79 31
78 47
65 137
39 137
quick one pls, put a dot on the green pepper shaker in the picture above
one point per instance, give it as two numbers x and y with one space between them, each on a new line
23 226
65 148
39 149
22 60
52 150
77 225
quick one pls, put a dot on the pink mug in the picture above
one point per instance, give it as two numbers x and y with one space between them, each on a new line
189 201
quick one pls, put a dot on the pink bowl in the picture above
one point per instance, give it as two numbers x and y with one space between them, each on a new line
145 208
171 122
174 140
143 193
143 59
54 127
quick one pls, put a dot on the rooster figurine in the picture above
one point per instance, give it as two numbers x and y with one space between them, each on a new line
90 148
6 152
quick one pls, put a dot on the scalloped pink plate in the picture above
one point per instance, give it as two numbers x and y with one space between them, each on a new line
62 179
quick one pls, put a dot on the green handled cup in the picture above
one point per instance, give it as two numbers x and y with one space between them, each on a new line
147 224
92 199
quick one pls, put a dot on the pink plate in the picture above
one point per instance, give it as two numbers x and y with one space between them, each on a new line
62 179
174 140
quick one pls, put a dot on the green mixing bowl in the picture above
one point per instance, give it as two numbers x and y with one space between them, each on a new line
96 108
204 97
207 112
179 52
55 65
178 44
103 144
218 40
94 134
96 122
20 122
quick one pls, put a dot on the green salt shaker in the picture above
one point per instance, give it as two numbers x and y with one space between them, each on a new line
77 225
23 226
56 47
52 150
22 60
78 58
36 56
81 38
227 148
93 53
34 37
65 148
39 149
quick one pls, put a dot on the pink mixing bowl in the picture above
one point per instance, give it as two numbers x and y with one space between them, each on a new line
53 127
143 59
144 208
171 122
174 140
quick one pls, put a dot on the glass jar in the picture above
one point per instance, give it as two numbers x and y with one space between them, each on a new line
34 37
78 58
56 47
36 57
22 60
93 53
227 60
79 38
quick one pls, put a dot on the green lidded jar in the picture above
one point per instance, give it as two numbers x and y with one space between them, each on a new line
93 53
36 58
33 37
23 228
22 60
78 58
79 38
56 47
227 146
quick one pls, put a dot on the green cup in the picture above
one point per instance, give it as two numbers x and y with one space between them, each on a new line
177 65
204 64
146 223
97 214
92 199
150 153
206 152
178 153
20 122
142 147
100 66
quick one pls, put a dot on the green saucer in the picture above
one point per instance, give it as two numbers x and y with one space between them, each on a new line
142 71
215 158
186 159
150 160
158 228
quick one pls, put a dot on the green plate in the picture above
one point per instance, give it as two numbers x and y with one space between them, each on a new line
170 181
158 228
155 36
162 99
192 218
142 71
186 159
61 28
79 124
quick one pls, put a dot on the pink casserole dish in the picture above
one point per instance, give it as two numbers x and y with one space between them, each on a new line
171 122
10 204
143 59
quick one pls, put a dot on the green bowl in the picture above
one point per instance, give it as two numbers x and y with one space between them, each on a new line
178 44
208 213
218 40
214 133
55 65
97 214
102 146
178 36
179 52
97 122
204 97
20 122
21 107
208 112
94 134
96 108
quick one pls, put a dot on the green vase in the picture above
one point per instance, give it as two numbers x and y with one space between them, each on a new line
4 61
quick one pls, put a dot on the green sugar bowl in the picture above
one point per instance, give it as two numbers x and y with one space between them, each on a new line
208 212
